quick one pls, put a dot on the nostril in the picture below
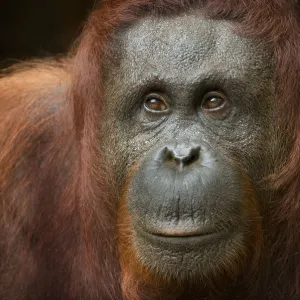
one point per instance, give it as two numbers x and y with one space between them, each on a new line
192 157
170 155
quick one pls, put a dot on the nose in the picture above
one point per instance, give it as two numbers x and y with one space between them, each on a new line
181 155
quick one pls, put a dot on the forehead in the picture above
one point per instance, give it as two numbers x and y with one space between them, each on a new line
184 47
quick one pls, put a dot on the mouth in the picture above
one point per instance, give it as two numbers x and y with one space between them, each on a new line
181 237
185 239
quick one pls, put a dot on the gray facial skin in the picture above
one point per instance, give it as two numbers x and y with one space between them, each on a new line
184 57
196 221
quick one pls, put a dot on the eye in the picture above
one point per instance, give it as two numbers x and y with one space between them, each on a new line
213 102
156 103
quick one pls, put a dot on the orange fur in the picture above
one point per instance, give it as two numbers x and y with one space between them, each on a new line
58 219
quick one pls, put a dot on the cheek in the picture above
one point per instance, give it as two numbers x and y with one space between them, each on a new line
122 147
114 152
250 143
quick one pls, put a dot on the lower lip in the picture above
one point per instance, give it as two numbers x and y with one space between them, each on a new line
184 239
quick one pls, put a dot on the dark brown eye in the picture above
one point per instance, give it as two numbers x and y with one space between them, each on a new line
213 102
156 103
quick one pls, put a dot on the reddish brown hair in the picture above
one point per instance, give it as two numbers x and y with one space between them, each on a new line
64 242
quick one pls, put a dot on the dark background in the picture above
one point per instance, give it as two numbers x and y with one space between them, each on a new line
39 28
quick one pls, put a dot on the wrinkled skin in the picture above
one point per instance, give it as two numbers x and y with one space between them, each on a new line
194 197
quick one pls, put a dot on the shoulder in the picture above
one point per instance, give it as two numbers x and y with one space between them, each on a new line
30 83
34 94
36 123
